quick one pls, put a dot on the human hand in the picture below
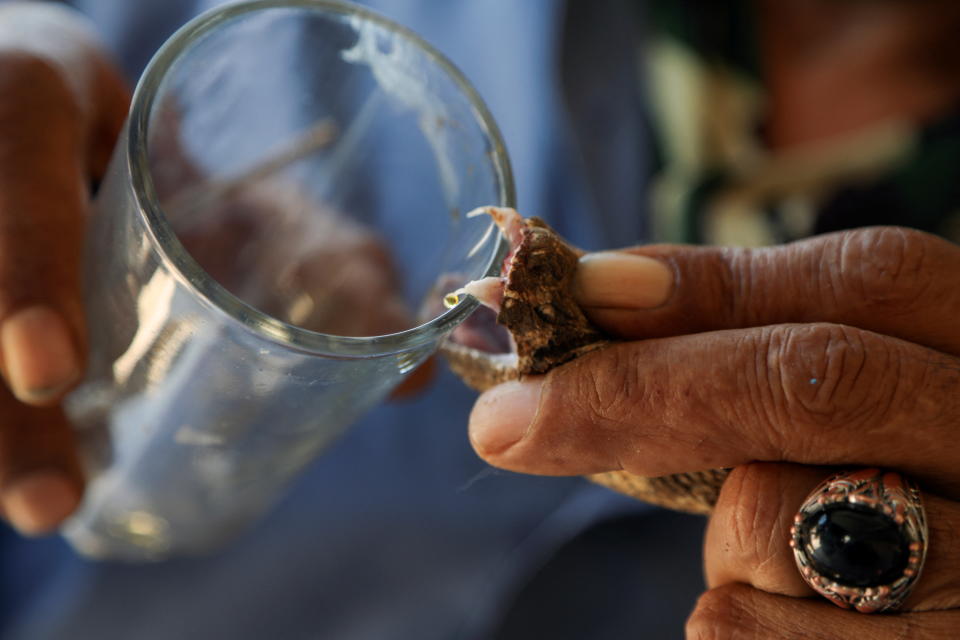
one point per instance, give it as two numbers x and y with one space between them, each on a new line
840 350
63 104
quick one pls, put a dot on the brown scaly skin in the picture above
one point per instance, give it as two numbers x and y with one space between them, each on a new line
549 328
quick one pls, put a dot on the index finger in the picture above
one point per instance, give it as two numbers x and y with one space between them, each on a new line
813 394
895 281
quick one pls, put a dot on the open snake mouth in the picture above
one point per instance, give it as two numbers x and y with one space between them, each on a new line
529 322
489 342
481 332
490 291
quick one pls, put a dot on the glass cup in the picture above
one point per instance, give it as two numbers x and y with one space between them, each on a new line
283 213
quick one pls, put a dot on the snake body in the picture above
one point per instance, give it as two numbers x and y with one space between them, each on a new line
548 328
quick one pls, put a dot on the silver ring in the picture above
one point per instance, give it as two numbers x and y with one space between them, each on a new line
860 539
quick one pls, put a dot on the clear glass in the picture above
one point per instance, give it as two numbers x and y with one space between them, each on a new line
283 213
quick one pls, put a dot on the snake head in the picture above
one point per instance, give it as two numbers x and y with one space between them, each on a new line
532 300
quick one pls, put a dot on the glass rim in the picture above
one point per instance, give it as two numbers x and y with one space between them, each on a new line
186 269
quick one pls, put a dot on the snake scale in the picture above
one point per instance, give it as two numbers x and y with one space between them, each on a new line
533 300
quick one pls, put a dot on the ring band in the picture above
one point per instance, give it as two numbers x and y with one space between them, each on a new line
860 539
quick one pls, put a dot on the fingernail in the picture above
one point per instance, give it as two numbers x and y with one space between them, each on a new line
502 415
615 279
40 501
40 357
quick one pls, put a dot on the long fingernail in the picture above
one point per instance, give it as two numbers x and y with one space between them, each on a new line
502 415
39 502
615 279
40 357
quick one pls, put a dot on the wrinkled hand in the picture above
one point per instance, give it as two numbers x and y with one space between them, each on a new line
840 350
63 104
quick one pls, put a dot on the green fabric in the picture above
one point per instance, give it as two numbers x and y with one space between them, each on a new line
919 188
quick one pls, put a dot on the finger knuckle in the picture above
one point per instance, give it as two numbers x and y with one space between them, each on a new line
735 270
608 389
888 267
822 377
719 615
749 509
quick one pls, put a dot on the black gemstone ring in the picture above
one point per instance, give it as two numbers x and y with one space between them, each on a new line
860 539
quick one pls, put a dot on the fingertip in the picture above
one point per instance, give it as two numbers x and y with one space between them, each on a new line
622 280
40 357
503 415
37 503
